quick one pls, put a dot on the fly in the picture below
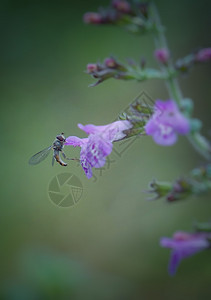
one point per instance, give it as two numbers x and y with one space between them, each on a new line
57 147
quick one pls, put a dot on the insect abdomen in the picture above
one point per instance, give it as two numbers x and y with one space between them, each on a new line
58 159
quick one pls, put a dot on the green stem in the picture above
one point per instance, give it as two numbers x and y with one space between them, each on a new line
199 142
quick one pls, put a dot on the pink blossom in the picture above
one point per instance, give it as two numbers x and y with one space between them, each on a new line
162 55
122 5
92 18
204 55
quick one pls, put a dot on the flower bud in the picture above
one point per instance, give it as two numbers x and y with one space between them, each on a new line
186 106
162 55
160 189
203 55
110 63
121 5
92 18
90 68
182 188
195 125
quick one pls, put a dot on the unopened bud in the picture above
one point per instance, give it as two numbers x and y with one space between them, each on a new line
121 5
181 189
92 18
162 55
160 189
110 62
90 68
204 55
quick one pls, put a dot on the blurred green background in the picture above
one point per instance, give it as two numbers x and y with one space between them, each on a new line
106 246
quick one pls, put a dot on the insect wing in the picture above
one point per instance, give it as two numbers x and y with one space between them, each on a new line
40 156
53 159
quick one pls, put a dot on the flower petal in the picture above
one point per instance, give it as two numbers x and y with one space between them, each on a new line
111 132
167 242
75 141
165 139
86 167
151 127
166 122
183 245
174 261
97 149
89 128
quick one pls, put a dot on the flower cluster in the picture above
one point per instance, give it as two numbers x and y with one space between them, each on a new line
98 145
162 120
180 189
110 68
115 13
121 12
183 245
198 182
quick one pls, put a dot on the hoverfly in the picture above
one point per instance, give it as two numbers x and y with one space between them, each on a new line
57 147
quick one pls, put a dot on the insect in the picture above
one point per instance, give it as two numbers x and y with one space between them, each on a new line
57 147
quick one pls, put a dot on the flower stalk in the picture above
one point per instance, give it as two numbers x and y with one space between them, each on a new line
199 142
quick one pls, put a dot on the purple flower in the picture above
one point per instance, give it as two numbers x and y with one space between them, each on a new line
98 144
184 244
92 18
162 55
111 132
121 5
204 55
166 122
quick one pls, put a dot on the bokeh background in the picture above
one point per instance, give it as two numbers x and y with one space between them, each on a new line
107 245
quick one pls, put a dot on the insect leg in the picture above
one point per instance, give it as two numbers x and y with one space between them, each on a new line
63 154
65 157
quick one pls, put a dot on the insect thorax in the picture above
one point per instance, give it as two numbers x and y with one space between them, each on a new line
58 145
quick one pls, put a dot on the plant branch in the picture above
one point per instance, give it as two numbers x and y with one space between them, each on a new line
200 143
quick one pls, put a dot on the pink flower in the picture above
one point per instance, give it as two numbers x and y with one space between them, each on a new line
162 55
91 68
110 62
98 145
183 245
204 55
166 122
122 5
92 18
